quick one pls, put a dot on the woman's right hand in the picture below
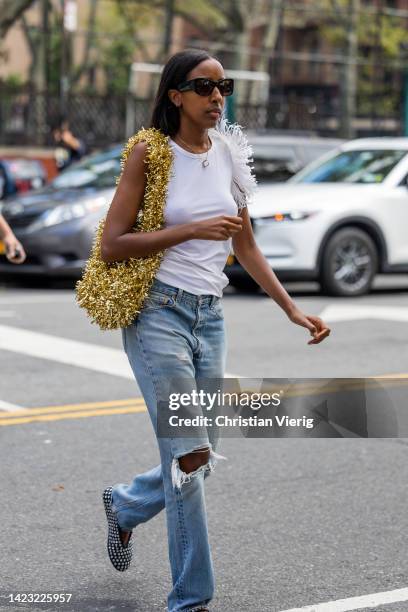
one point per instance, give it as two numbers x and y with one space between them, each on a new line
217 228
14 249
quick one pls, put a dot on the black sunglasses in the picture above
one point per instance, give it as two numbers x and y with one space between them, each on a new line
204 87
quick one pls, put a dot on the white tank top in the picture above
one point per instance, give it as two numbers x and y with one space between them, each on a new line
196 193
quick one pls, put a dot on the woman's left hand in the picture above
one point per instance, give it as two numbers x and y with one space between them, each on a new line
318 329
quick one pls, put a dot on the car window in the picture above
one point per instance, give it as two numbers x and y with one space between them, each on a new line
278 161
272 170
362 166
98 171
273 161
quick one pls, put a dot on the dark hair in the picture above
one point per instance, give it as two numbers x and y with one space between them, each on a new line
56 124
165 115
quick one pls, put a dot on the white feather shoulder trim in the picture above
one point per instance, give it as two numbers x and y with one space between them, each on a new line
244 182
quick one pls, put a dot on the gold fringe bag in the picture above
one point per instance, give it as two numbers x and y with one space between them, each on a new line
113 293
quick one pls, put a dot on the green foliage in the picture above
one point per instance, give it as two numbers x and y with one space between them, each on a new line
380 38
209 14
393 35
127 25
116 50
13 82
386 30
116 60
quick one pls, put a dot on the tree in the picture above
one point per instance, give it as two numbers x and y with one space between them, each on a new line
85 67
125 24
11 10
372 40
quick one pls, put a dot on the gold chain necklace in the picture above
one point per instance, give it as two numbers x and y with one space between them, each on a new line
205 161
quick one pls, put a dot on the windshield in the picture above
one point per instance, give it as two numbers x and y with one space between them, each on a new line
362 166
98 171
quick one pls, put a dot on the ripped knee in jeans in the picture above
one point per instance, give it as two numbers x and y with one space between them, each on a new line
188 466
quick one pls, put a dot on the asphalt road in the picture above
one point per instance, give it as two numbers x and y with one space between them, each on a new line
293 523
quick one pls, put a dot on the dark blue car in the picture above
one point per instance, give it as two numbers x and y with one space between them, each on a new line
56 223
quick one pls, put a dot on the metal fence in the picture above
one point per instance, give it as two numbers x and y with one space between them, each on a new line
26 117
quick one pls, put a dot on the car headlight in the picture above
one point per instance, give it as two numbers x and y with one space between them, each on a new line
67 212
294 215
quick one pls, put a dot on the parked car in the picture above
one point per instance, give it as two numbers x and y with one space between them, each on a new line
56 224
340 220
18 175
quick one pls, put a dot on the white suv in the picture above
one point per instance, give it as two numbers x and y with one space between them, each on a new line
340 220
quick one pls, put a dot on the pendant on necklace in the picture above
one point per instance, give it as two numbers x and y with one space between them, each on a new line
205 163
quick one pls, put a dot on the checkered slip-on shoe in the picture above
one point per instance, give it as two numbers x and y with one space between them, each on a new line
119 554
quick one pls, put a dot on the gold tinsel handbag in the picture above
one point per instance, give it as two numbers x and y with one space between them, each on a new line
113 293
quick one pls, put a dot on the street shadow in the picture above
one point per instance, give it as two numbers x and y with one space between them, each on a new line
34 282
383 286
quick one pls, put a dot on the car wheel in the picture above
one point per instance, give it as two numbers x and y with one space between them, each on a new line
245 284
349 263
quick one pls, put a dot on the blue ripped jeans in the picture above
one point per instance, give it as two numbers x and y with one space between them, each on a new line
176 334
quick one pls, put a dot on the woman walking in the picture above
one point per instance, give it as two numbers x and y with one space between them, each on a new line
180 330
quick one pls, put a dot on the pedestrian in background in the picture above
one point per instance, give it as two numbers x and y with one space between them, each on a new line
13 248
180 331
69 147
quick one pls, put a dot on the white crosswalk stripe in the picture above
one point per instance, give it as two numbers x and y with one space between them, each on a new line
70 352
363 602
8 407
63 350
349 312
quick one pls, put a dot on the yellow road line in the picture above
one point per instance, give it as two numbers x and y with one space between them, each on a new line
310 388
71 415
392 376
72 407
